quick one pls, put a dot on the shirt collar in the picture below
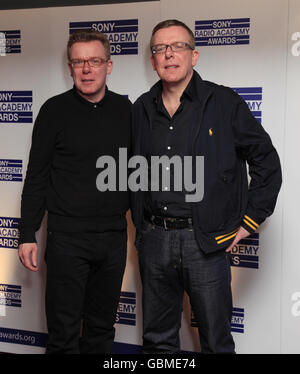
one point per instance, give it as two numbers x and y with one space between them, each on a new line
190 91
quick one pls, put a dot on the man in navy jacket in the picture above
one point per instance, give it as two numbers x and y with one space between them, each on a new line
183 244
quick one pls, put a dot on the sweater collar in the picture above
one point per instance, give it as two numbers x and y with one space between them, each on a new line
89 103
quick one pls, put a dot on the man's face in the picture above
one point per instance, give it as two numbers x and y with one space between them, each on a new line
174 67
89 81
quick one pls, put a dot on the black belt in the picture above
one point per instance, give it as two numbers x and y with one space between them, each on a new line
172 223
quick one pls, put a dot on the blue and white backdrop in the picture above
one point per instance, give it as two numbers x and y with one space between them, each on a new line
252 46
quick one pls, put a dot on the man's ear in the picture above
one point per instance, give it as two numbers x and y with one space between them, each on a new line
70 69
109 67
153 62
195 57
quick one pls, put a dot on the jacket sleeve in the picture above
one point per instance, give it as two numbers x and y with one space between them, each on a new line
255 146
33 202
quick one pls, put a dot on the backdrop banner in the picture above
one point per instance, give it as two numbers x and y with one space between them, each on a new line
252 46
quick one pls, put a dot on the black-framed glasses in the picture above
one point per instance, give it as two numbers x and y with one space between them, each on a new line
175 47
94 62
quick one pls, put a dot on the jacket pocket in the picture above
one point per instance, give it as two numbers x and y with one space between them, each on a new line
219 207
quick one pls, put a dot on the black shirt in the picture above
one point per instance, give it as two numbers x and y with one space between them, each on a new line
69 135
169 137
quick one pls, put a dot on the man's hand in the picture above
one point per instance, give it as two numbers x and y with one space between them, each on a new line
28 255
241 234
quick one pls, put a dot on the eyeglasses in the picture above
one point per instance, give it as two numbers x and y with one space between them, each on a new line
175 47
94 62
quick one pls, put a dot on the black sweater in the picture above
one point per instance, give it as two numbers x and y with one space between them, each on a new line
69 135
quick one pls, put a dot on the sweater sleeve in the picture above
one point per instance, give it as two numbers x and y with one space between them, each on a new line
255 146
33 202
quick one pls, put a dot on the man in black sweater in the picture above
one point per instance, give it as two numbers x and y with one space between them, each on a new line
87 237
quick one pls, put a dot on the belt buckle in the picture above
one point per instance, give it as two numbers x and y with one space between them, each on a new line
165 224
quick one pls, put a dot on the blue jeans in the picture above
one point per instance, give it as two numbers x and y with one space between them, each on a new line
171 262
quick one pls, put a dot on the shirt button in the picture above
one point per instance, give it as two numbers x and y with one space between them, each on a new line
95 106
171 127
165 208
168 147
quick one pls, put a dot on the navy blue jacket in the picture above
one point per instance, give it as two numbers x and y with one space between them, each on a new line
225 132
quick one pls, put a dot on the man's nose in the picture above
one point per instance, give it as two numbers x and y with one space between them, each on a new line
169 51
86 67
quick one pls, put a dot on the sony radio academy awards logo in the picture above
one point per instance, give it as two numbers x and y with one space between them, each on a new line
10 42
10 295
253 98
9 232
23 337
235 31
11 170
245 253
237 320
122 34
16 107
126 312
